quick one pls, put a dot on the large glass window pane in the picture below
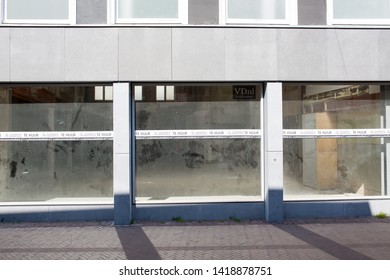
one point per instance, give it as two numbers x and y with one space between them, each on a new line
149 9
336 139
55 171
361 9
256 9
331 106
197 107
180 170
197 168
54 108
343 167
43 169
38 9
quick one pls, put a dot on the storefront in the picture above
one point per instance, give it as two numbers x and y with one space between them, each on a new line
197 150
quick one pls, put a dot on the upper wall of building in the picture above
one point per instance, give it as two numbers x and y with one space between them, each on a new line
194 40
196 12
68 54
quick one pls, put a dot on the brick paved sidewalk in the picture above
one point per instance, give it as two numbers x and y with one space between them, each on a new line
297 240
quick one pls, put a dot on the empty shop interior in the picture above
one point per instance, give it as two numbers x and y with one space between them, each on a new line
128 151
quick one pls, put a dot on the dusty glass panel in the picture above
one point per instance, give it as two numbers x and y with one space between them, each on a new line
332 106
171 169
44 171
47 170
350 164
347 166
198 107
197 169
54 108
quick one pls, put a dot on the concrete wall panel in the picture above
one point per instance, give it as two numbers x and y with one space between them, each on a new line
91 54
193 54
52 213
198 54
4 54
251 54
384 54
302 55
37 54
359 51
91 12
145 54
336 68
332 209
193 212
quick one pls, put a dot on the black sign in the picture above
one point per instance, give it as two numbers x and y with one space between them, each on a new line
244 92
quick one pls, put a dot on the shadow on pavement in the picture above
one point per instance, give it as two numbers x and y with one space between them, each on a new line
329 246
136 244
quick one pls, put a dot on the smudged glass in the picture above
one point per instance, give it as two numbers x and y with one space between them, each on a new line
55 170
180 170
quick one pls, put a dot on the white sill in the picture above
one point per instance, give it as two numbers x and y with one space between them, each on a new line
327 197
198 199
64 201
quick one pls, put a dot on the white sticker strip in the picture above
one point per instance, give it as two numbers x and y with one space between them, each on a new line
197 134
57 136
335 133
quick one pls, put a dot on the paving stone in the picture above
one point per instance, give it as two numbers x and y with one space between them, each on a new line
298 240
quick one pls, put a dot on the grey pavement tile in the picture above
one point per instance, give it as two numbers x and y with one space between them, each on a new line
296 240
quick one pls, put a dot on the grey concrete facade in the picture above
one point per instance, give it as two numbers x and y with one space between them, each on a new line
65 54
197 53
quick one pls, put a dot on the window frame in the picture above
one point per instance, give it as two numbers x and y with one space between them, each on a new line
71 17
291 11
381 132
195 199
181 19
332 21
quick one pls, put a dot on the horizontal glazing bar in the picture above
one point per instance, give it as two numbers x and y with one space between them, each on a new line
57 136
198 134
335 133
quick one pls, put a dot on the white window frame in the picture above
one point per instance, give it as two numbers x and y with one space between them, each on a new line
332 21
205 134
181 19
70 20
291 11
1 12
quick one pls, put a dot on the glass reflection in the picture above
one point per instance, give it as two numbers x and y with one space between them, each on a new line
187 168
332 166
197 169
42 171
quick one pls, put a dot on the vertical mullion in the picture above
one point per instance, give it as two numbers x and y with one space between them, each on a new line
273 139
122 154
